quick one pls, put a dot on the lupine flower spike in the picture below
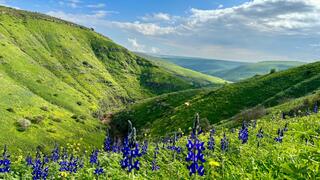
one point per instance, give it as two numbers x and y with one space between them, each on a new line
155 167
107 147
5 161
316 108
176 149
195 148
224 143
55 154
280 136
211 142
130 151
40 170
259 136
244 133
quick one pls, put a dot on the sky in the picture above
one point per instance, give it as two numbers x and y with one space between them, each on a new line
240 30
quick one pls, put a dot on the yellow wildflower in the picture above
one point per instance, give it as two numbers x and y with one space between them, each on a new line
214 163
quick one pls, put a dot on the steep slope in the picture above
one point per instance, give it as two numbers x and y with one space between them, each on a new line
198 79
249 70
223 103
56 77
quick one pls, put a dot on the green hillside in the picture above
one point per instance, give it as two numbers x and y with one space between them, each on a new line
249 70
197 78
223 103
58 78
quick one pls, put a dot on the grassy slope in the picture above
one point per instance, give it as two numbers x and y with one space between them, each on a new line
197 78
51 70
225 102
249 70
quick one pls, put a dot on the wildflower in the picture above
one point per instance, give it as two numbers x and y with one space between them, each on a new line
55 154
213 163
71 164
244 133
254 124
130 151
211 142
145 147
280 136
94 157
195 148
316 108
260 133
107 143
5 161
115 147
224 143
40 170
285 129
99 170
64 174
155 167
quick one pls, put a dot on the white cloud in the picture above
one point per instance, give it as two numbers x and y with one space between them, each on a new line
150 29
135 46
220 6
157 17
100 5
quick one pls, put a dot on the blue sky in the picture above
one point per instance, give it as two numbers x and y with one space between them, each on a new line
254 30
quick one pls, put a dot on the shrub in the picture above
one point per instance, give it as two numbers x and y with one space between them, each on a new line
23 124
44 108
11 110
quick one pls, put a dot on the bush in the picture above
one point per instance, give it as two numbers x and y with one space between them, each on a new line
10 110
23 124
44 108
36 119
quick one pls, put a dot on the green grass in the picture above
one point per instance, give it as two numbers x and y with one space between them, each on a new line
65 72
225 102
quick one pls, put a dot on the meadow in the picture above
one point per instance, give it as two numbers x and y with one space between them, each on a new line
276 146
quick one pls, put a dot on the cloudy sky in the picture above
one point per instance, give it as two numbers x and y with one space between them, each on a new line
242 30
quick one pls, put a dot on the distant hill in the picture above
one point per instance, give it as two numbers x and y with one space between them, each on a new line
206 66
249 70
196 78
164 114
230 70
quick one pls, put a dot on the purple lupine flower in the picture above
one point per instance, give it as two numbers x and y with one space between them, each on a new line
55 154
280 136
316 108
115 147
285 129
98 170
94 157
224 143
244 133
39 168
195 148
5 161
155 167
260 134
130 151
211 142
107 147
254 124
144 147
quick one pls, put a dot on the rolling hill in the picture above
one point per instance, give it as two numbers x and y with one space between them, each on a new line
57 78
206 66
230 70
198 79
260 68
160 115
